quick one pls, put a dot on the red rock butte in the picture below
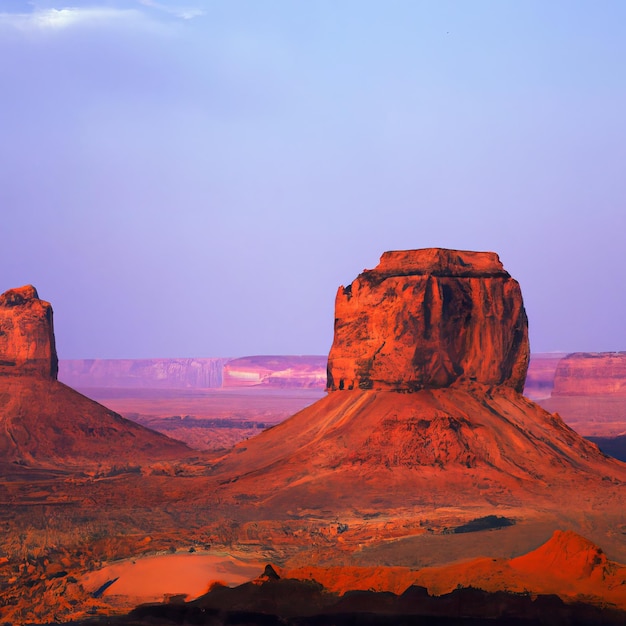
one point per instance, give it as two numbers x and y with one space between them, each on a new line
427 319
44 423
448 331
26 334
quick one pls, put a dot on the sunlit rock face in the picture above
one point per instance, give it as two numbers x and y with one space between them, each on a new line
427 319
26 334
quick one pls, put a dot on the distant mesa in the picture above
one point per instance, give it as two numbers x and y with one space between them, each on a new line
45 423
591 374
424 319
26 334
276 371
590 393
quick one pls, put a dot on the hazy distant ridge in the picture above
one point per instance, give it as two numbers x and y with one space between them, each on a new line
143 373
211 373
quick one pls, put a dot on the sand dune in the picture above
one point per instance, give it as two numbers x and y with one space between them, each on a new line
151 578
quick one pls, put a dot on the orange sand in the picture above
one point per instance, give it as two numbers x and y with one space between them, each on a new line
152 578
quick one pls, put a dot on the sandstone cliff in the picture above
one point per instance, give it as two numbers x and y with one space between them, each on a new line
26 334
427 318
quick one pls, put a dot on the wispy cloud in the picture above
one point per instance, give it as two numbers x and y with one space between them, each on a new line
183 12
61 19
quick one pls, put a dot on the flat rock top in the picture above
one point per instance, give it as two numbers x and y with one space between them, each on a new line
440 262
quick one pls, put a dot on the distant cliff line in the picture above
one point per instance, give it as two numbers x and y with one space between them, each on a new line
308 371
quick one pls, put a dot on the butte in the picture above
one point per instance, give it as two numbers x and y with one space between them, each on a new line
424 424
44 423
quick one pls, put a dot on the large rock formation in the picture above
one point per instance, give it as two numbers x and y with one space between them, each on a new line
450 328
26 334
427 318
44 423
591 374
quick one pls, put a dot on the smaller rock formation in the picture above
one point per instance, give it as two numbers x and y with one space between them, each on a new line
427 318
43 423
26 334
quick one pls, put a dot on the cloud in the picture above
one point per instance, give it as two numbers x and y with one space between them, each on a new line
184 12
49 19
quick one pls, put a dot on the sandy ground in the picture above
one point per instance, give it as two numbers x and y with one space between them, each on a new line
152 578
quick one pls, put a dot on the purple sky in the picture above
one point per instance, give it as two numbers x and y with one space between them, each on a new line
198 181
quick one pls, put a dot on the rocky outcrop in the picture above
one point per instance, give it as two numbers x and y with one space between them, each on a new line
276 371
426 319
143 373
591 374
26 334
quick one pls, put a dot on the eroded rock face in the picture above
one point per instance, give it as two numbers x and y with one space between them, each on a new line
26 334
428 318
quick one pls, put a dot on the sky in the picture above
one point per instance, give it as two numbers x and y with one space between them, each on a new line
196 180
